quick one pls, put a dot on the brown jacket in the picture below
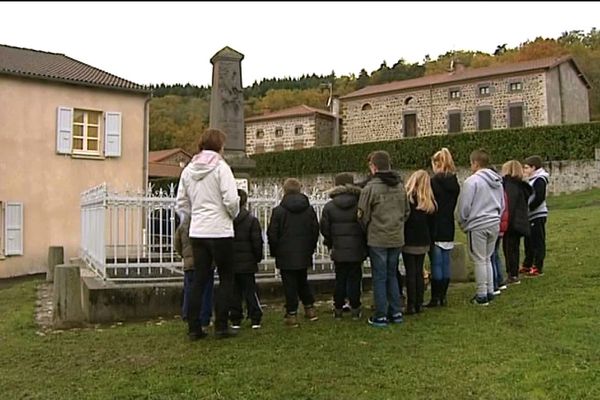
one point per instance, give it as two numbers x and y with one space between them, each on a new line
183 246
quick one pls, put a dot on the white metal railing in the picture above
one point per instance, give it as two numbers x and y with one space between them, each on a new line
129 237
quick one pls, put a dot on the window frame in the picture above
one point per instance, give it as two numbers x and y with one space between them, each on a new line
485 108
484 86
516 82
515 105
280 129
454 90
259 134
296 130
454 112
85 137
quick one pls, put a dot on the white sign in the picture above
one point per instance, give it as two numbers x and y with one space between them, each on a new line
242 184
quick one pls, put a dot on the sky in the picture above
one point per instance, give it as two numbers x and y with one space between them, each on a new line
172 42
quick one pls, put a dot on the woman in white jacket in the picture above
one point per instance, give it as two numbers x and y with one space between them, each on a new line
207 192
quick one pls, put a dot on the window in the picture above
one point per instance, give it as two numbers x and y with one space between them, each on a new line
298 130
484 90
410 125
79 132
408 100
515 86
11 227
260 134
278 131
454 122
366 107
515 116
484 119
86 125
454 94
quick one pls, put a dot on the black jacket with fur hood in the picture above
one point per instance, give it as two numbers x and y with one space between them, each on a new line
340 228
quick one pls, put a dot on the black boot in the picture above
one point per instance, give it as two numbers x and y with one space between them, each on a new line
443 290
436 285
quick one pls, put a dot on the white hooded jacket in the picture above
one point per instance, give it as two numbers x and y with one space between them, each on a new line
207 191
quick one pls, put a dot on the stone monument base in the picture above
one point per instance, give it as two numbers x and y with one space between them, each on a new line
241 165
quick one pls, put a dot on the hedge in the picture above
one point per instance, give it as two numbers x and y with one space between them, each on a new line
561 142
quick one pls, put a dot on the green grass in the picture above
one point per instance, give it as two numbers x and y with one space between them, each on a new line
538 340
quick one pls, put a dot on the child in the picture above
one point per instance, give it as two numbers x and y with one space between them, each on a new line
382 210
418 234
445 191
344 236
535 245
184 248
499 283
293 233
479 207
517 194
248 252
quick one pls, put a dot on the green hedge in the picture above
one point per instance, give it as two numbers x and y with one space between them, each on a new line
562 142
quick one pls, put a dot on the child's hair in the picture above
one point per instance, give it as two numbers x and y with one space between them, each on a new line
291 185
343 178
481 157
212 139
381 160
512 168
442 161
243 197
534 161
418 188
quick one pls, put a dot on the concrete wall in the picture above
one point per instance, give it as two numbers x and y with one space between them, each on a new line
565 177
553 97
574 96
49 184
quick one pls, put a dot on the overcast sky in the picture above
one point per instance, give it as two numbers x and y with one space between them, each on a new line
170 43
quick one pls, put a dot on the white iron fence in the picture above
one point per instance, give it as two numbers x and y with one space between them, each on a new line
128 237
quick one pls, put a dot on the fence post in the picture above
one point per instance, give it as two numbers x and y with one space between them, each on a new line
56 256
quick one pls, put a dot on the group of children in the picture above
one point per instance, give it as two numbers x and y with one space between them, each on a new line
383 219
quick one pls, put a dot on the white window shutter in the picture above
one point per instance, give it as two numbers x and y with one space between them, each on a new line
14 229
64 130
112 134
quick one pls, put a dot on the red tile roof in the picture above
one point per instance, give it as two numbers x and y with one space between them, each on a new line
298 111
159 155
58 67
466 74
160 170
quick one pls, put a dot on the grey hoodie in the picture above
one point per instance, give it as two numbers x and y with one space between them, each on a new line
481 201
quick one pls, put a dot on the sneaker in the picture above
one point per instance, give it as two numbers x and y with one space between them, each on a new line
534 272
480 301
225 334
497 292
311 314
236 325
346 308
356 314
256 325
291 320
380 322
503 286
338 313
523 269
397 319
514 280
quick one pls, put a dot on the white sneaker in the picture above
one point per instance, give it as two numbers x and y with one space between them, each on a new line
256 326
235 326
497 292
503 287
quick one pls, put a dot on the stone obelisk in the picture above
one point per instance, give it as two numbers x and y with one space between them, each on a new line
227 108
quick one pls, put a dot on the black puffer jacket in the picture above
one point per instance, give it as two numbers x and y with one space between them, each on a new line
340 228
293 232
445 190
517 192
419 229
247 244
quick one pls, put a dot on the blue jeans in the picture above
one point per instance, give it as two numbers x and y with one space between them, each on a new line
384 264
440 263
207 303
497 265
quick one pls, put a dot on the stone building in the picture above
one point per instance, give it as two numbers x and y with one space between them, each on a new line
548 91
292 128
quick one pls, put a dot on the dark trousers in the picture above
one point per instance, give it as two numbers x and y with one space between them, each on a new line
206 252
415 284
510 247
207 297
244 289
295 284
535 245
348 277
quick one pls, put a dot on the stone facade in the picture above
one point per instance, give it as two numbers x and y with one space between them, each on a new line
539 97
288 132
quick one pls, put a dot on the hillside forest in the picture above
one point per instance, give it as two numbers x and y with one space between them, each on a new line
179 113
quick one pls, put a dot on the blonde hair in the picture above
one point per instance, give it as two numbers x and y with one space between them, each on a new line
418 188
291 185
442 161
512 168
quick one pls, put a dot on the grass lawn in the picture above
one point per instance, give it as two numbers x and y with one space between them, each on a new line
538 340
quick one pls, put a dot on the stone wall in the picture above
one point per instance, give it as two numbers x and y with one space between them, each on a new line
288 141
565 177
380 117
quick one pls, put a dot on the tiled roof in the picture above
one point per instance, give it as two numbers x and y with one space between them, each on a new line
159 155
466 74
164 170
58 67
298 111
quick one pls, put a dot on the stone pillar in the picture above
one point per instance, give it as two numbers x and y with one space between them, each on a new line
227 108
56 255
67 296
